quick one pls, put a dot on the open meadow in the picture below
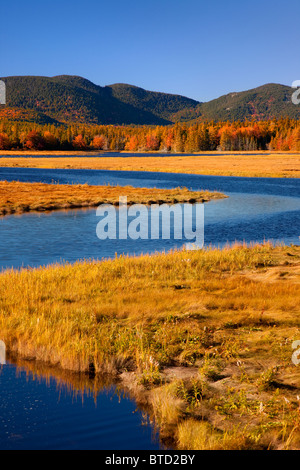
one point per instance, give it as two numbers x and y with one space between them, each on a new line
262 164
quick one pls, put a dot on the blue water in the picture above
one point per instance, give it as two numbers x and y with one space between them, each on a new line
36 413
257 209
43 414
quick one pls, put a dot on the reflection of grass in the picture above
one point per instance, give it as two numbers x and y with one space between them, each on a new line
274 165
77 385
25 197
230 330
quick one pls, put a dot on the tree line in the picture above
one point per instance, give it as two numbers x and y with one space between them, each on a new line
278 135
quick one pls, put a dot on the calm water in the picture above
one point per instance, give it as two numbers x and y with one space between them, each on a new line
36 413
258 209
45 414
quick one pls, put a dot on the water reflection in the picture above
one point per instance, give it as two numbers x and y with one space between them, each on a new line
47 408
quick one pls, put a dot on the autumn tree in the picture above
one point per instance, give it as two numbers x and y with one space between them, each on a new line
34 141
4 142
79 143
152 143
51 142
99 142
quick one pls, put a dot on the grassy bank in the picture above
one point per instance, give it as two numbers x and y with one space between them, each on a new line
59 153
18 197
274 165
203 337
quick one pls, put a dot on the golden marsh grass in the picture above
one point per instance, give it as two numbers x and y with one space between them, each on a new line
205 335
18 197
252 165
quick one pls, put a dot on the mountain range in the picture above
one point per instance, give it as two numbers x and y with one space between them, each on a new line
69 99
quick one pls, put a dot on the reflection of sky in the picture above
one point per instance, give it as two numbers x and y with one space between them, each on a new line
249 205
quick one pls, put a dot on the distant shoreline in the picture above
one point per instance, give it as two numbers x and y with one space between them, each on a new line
247 164
83 153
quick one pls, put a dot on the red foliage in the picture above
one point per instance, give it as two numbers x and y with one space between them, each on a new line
99 142
79 143
152 142
4 142
34 141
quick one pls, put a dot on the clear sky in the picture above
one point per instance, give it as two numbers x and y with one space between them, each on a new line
197 48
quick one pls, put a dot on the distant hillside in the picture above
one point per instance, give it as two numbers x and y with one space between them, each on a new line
65 99
75 99
26 115
265 102
163 105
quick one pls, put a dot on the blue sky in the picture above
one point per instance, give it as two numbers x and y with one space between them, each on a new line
201 49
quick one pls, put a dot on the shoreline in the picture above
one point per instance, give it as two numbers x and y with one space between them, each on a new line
267 165
87 383
18 198
188 352
140 152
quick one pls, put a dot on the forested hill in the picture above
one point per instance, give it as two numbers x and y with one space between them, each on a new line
163 105
75 99
65 99
262 103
